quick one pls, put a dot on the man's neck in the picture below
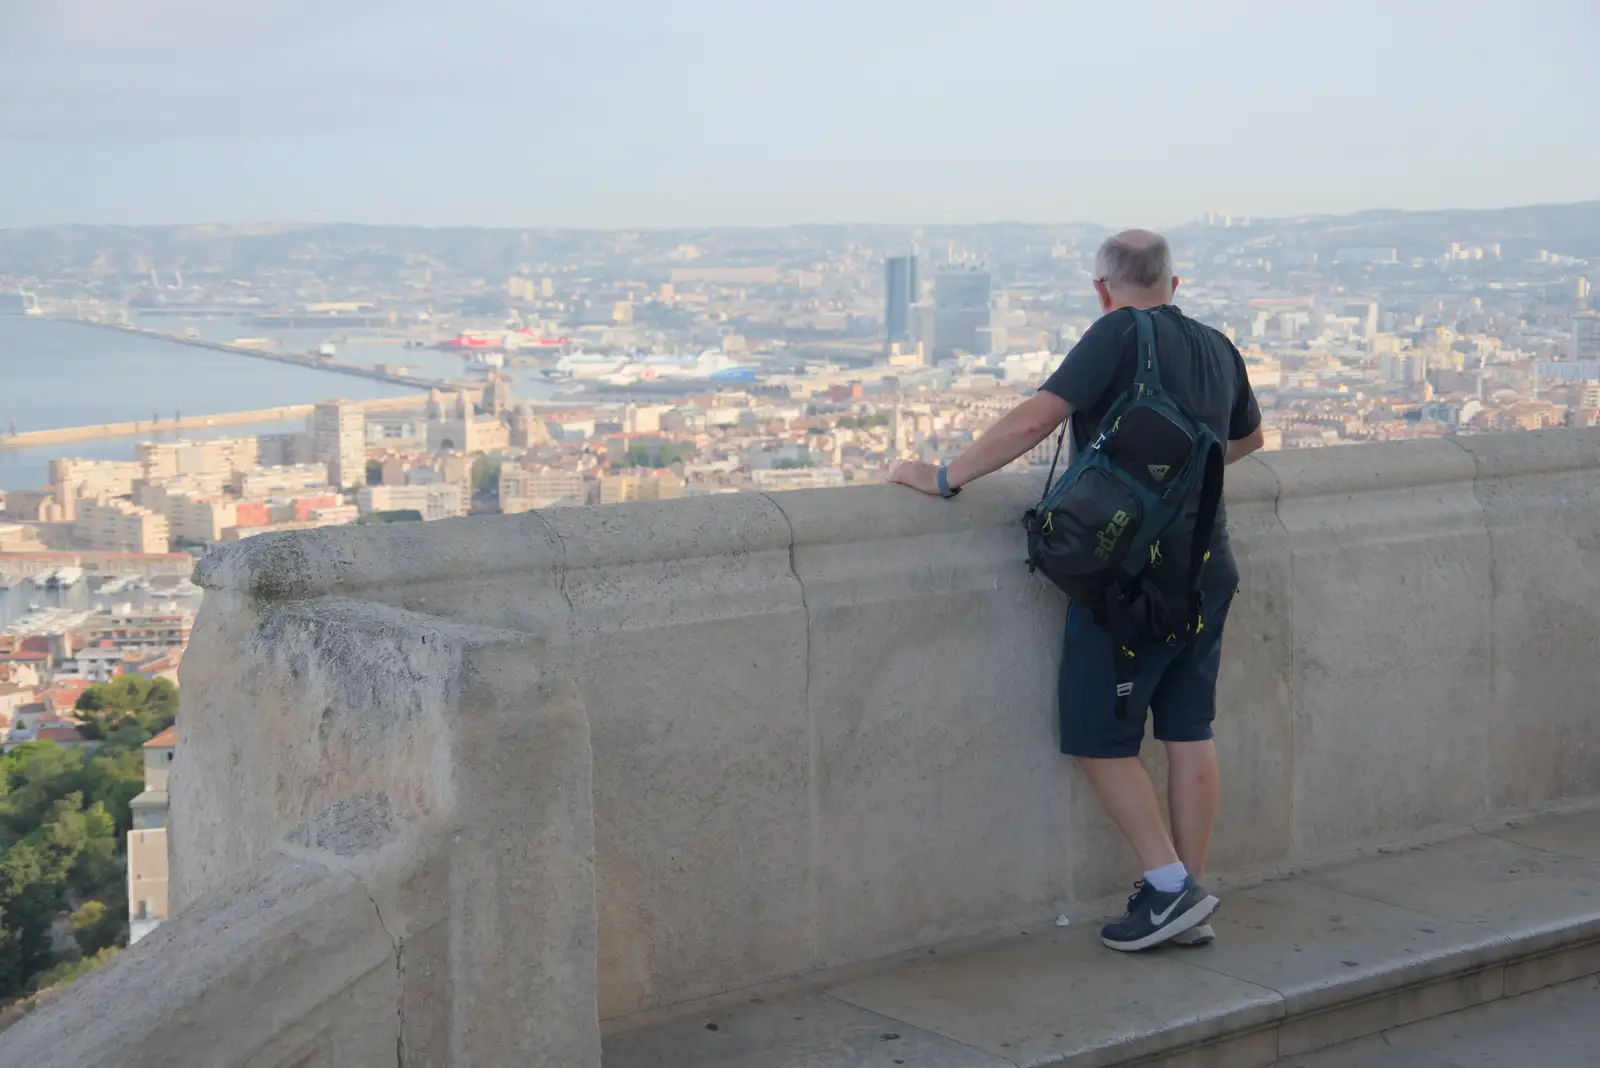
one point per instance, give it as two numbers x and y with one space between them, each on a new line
1142 301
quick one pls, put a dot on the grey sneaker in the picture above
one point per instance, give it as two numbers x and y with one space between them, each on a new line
1154 917
1200 935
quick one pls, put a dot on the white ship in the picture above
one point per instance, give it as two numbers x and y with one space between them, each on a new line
17 302
66 578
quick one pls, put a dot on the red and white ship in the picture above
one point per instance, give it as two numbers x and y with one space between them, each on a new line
500 341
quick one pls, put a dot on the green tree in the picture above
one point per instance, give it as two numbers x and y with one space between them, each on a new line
128 700
97 870
113 778
68 972
60 823
33 880
96 927
399 515
664 455
486 477
32 778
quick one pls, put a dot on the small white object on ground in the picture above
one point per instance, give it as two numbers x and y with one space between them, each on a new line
1062 921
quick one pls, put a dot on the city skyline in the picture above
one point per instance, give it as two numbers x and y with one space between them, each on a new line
620 116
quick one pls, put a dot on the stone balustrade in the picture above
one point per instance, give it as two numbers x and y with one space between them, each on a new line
516 775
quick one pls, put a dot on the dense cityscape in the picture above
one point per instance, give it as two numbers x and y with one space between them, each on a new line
546 369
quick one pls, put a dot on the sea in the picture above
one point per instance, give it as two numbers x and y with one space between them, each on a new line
59 373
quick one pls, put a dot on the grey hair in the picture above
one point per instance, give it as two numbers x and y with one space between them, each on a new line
1134 259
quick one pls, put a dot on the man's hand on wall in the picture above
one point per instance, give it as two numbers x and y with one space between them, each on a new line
917 475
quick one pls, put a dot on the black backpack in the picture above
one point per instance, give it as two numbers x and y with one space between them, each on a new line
1097 532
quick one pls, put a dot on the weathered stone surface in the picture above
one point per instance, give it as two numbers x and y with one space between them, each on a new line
806 1031
448 768
287 964
823 723
341 560
1390 699
289 708
1255 723
1540 499
521 986
688 637
948 739
1310 967
1575 834
1318 947
1062 998
1540 899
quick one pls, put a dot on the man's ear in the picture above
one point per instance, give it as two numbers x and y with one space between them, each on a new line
1174 285
1103 291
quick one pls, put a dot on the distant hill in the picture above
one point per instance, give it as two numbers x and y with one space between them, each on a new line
1573 229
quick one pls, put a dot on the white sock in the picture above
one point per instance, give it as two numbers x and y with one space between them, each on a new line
1168 879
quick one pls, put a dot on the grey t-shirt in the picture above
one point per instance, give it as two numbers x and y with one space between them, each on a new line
1203 372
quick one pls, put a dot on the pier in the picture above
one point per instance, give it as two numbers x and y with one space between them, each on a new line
285 413
297 359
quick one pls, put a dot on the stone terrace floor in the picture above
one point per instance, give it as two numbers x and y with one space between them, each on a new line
1365 959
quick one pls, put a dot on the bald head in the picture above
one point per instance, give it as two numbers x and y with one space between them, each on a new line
1134 267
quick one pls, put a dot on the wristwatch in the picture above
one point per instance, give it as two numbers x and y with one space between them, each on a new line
943 479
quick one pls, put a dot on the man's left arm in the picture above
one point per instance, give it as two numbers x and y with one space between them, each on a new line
1018 430
1244 421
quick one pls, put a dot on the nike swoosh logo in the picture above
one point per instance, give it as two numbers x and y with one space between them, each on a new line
1159 918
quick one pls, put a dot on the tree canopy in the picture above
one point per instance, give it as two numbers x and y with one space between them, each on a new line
486 477
64 816
151 705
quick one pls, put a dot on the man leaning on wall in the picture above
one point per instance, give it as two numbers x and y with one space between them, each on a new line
1176 682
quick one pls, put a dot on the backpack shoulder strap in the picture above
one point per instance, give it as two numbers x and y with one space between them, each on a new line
1147 373
1050 479
1206 519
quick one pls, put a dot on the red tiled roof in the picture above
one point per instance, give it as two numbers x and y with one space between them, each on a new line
167 739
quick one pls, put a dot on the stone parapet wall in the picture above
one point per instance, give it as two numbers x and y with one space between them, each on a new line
823 722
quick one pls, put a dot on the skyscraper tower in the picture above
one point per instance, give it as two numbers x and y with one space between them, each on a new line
961 312
1586 336
901 291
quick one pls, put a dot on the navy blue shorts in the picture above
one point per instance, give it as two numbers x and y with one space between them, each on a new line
1178 683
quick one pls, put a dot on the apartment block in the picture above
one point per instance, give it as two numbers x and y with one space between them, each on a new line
638 486
272 481
339 439
440 500
75 479
283 450
214 456
523 489
121 526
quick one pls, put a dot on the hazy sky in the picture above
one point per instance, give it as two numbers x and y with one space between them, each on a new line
696 112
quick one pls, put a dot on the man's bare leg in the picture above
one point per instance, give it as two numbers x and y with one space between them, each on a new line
1124 788
1193 786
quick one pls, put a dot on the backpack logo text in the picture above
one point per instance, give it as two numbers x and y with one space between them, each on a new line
1106 539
